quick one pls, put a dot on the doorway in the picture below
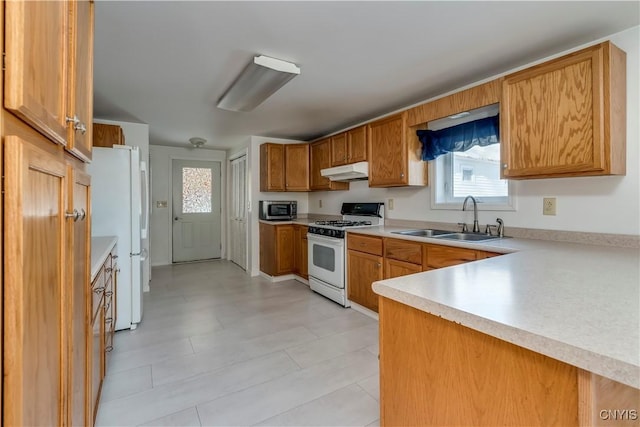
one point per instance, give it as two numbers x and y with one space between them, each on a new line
238 212
196 210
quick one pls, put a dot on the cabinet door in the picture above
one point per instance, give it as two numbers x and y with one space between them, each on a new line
339 152
555 117
363 269
36 60
357 145
304 252
320 158
284 249
272 167
34 295
96 344
107 135
296 167
388 147
81 79
394 268
268 249
78 268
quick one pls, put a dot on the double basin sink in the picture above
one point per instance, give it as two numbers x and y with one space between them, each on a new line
448 235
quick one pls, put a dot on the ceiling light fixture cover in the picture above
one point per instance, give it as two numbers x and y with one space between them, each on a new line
258 81
197 142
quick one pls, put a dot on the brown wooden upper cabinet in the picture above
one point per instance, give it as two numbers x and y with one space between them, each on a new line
51 88
107 135
566 117
394 154
320 158
271 167
349 147
284 167
296 167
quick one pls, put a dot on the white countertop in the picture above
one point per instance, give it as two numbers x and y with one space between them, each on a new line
100 248
576 303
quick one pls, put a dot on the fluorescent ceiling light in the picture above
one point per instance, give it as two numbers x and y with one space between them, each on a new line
258 81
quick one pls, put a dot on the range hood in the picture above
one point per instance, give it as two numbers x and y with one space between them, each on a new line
352 172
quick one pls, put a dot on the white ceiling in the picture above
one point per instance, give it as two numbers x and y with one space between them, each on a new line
167 63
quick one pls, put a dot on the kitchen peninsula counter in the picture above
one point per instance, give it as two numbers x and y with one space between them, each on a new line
576 303
546 334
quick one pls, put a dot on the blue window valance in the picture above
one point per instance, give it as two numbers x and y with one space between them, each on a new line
461 137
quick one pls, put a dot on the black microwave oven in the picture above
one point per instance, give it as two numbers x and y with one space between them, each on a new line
278 210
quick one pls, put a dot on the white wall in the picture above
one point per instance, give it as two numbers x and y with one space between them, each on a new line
137 135
609 204
161 187
255 195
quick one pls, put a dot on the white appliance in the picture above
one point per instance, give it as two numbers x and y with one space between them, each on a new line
326 244
350 172
119 208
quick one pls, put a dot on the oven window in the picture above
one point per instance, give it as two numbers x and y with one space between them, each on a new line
324 257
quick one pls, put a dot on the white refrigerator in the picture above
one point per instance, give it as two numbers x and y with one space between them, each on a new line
119 201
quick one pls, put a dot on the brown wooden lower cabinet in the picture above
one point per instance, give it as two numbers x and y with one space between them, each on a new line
363 269
300 251
434 372
276 249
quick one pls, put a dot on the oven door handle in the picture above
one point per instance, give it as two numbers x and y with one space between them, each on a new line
324 239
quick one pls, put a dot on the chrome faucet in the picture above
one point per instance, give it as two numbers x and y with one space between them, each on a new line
476 226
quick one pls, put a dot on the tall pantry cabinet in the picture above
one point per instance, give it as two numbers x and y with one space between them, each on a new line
46 138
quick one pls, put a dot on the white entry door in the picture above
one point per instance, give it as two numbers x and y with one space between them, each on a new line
196 210
238 214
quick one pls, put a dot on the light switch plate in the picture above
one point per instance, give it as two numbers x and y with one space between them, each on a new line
161 204
549 206
390 204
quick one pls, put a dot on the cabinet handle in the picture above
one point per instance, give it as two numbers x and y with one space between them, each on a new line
83 214
80 127
108 293
75 215
378 265
108 349
504 166
99 290
75 120
108 321
108 270
115 257
402 175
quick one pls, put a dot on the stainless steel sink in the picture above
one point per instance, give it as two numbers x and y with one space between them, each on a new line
426 232
468 237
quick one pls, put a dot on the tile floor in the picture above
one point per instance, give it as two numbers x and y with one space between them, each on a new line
217 347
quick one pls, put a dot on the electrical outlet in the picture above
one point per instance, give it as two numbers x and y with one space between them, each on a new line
390 204
320 203
549 206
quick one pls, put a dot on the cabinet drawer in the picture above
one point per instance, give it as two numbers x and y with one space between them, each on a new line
403 250
445 256
97 291
369 244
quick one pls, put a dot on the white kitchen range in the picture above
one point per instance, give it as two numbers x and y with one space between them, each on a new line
327 255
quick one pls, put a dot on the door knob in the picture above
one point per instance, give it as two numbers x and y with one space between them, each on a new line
177 218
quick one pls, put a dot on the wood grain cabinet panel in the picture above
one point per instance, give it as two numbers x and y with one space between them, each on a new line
566 117
394 154
362 270
300 249
320 158
271 167
403 250
357 145
107 135
80 134
434 372
339 150
394 268
439 256
78 266
277 249
362 243
36 62
296 167
35 337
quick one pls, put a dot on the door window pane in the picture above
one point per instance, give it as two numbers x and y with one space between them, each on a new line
196 190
